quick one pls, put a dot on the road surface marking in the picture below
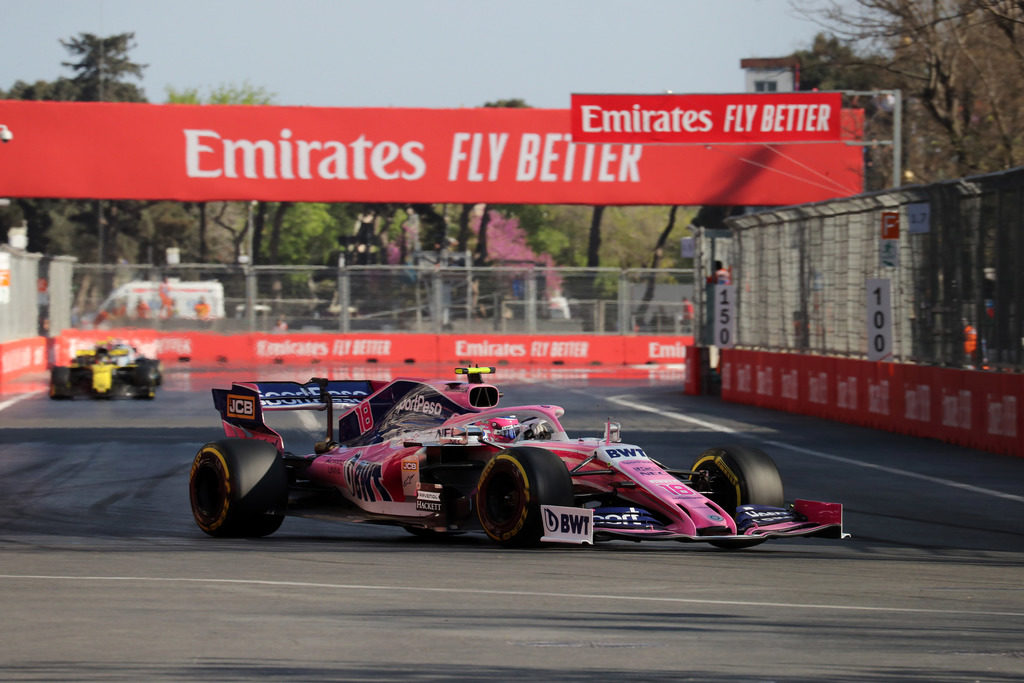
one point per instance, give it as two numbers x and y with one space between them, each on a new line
603 597
627 402
17 399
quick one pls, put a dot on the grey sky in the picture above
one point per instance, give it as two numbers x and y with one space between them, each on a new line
405 53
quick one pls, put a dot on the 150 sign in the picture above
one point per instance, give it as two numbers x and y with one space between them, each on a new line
725 316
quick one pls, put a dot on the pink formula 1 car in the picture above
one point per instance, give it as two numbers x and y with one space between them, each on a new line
440 456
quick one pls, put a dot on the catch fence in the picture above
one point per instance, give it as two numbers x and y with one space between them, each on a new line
423 298
955 271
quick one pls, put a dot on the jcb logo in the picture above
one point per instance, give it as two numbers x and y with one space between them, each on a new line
243 407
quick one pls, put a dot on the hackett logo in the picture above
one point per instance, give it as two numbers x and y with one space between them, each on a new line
210 155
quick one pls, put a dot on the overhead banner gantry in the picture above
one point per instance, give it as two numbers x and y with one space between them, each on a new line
510 156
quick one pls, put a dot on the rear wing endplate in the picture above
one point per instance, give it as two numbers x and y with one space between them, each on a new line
242 406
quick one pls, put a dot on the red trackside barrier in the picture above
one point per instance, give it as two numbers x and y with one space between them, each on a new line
971 408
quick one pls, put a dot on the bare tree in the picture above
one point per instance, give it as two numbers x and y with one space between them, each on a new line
950 57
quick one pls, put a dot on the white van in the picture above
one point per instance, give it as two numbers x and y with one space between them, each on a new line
141 300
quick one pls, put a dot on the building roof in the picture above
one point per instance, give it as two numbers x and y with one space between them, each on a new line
769 63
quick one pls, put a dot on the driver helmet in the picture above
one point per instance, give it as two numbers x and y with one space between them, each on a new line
504 429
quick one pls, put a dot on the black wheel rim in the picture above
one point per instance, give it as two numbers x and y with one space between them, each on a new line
720 489
208 493
503 498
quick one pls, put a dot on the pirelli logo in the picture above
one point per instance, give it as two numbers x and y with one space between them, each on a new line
241 407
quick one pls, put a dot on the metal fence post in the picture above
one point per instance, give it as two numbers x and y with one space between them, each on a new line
344 296
531 301
250 297
623 318
470 293
158 318
59 281
437 297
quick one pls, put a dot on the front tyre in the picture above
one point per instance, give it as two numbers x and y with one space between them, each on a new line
513 486
736 475
148 373
238 488
60 383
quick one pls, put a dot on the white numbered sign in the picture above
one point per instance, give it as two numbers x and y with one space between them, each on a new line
879 311
919 216
725 316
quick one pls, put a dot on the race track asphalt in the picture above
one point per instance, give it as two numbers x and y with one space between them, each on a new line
105 577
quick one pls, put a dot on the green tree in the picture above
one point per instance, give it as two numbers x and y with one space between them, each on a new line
512 103
61 90
246 93
234 220
102 67
832 64
93 230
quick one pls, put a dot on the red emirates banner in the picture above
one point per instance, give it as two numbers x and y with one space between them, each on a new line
503 156
697 119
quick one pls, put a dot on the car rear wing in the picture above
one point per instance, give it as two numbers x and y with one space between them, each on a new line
242 406
296 396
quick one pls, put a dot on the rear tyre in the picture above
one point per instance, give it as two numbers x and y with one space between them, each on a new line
513 486
238 488
738 475
60 383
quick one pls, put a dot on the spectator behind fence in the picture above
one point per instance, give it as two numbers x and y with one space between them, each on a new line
687 315
722 275
970 342
202 309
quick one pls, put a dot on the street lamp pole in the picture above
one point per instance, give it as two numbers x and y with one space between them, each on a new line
250 274
897 130
897 137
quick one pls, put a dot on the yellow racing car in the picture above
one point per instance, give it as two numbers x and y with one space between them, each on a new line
109 370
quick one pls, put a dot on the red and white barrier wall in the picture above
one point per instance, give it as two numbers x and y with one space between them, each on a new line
208 349
23 356
205 348
969 408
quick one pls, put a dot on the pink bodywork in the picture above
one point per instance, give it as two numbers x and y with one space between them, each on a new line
382 478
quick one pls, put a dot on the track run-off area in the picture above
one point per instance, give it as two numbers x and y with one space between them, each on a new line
105 576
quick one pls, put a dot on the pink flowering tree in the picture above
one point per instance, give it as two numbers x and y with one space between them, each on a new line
507 245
